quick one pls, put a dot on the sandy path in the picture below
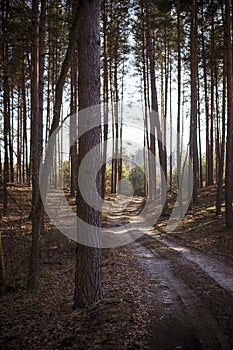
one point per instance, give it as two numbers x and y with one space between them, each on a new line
191 293
182 319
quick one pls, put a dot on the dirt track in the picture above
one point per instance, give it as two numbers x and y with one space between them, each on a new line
191 292
183 295
192 311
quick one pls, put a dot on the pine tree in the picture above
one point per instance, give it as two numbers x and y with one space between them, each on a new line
88 289
229 144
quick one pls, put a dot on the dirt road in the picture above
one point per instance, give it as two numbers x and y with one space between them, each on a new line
191 293
192 310
159 282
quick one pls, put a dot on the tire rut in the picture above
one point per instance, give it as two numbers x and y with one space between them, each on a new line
184 322
191 294
217 270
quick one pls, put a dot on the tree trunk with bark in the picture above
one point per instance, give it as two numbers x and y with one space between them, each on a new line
229 144
222 146
88 290
73 127
154 118
35 147
6 109
105 98
37 215
194 96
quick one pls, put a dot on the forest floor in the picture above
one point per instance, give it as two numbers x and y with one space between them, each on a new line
163 291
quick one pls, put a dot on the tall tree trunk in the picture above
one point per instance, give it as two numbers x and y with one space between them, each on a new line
6 109
35 147
116 112
154 107
73 127
113 185
217 120
206 97
212 106
199 136
41 54
229 144
88 290
19 140
145 99
11 141
193 120
42 29
222 147
166 78
2 268
105 93
178 128
0 165
37 216
154 116
120 160
25 138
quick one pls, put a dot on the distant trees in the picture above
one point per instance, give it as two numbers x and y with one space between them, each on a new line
198 54
154 119
116 26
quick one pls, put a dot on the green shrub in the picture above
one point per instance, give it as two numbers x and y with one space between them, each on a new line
137 178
